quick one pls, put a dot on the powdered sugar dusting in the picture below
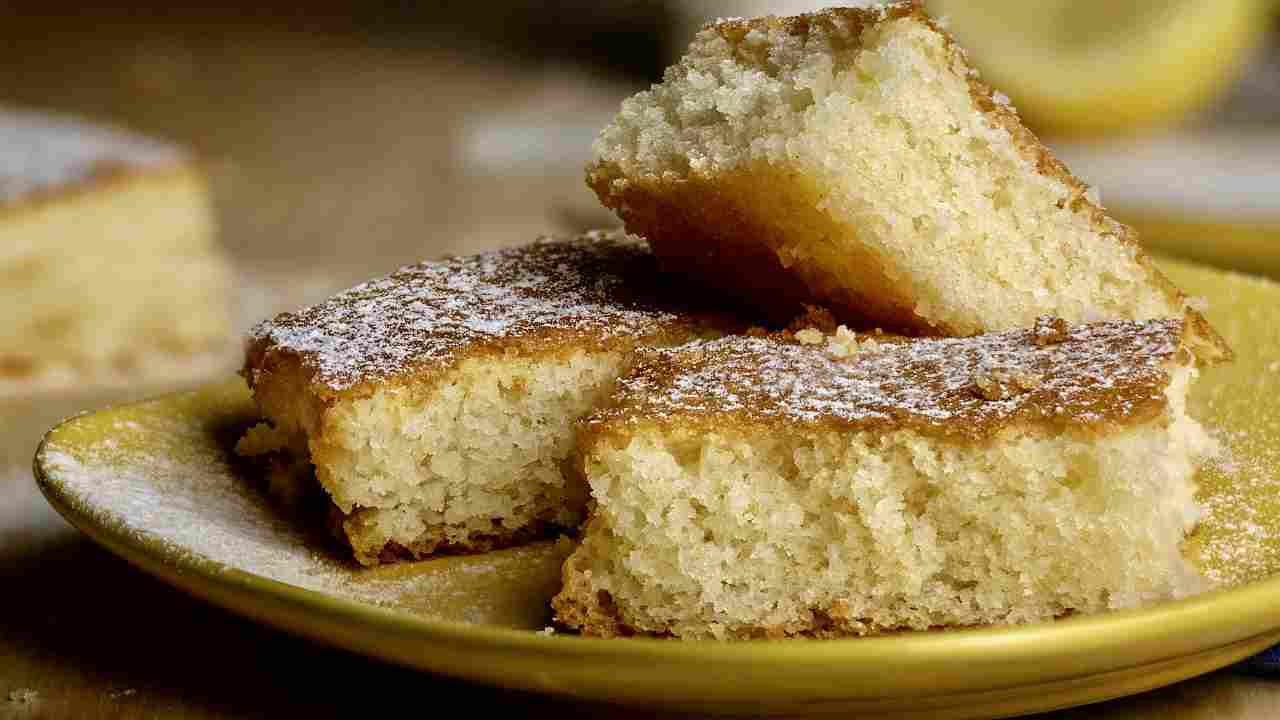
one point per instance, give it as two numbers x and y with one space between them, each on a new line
169 477
1238 540
1092 374
40 152
602 285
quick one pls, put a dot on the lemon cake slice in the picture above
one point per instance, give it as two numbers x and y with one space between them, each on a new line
107 254
437 404
852 159
745 487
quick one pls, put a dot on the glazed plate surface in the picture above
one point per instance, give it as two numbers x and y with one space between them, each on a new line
158 484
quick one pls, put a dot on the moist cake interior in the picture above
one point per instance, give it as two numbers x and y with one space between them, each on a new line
851 158
910 485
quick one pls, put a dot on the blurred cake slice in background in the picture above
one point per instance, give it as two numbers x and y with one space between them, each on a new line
109 268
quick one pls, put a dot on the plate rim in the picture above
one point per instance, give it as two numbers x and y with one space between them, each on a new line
1013 656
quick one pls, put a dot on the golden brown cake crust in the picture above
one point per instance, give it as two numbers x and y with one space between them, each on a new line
1046 379
739 260
345 528
671 210
596 290
578 606
546 302
846 22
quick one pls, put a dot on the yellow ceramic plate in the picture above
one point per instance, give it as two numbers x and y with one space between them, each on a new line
156 483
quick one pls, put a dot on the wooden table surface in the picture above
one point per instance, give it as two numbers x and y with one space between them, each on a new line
334 158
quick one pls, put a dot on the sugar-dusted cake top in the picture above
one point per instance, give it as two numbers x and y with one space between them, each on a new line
597 287
743 87
847 20
968 388
42 153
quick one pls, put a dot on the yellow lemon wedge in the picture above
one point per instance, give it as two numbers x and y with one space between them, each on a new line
1094 67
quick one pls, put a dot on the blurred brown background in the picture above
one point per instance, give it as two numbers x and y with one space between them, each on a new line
354 137
345 139
349 138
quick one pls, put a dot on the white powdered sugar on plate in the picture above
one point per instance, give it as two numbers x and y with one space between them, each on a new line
1238 540
172 480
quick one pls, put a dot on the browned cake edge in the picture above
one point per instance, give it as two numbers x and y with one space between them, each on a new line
433 543
266 361
664 211
578 607
1048 408
270 371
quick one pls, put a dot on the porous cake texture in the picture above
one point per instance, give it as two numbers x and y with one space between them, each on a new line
107 253
437 404
749 487
853 159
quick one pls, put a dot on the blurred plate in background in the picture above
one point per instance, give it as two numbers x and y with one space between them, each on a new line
1213 196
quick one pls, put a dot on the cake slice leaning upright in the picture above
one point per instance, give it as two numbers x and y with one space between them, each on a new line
746 487
852 159
437 404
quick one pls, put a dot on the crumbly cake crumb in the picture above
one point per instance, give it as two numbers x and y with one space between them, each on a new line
844 342
851 158
724 470
1049 331
811 336
437 404
1000 384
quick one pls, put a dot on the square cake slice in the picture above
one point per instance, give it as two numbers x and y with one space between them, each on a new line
437 404
109 267
746 487
852 159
